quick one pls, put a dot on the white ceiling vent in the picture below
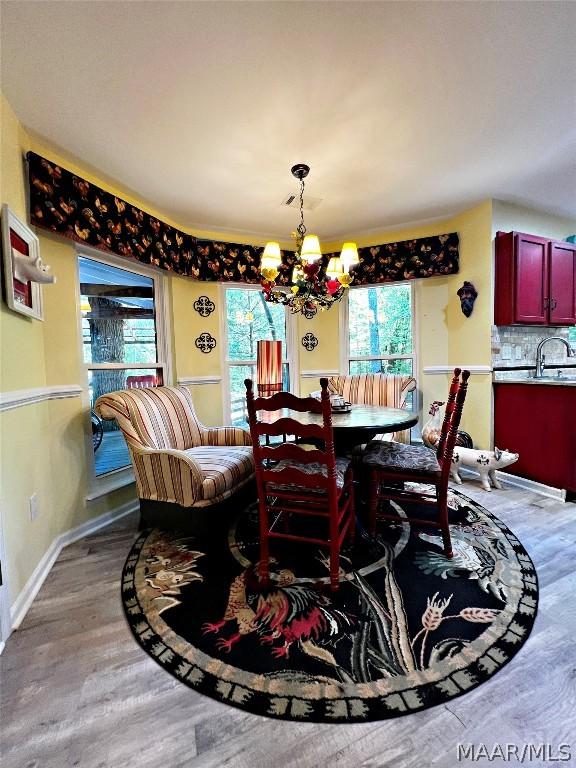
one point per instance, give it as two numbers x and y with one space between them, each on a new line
293 201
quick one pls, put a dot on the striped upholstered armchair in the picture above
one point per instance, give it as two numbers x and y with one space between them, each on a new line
176 458
376 389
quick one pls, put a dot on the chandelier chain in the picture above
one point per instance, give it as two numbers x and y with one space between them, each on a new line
301 226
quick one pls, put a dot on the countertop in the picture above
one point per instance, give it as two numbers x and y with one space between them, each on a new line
546 381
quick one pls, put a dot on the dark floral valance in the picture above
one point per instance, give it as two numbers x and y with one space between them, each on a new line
407 260
69 205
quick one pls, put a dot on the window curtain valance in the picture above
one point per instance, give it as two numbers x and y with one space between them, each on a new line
68 205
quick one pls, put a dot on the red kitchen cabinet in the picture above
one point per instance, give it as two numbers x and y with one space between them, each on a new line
562 283
538 422
535 280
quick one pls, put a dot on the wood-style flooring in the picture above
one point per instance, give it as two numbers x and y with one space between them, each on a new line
77 692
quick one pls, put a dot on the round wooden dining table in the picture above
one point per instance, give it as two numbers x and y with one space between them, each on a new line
359 425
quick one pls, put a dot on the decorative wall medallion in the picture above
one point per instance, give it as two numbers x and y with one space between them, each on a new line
204 306
309 341
205 342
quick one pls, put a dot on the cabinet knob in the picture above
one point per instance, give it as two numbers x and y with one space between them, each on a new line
553 303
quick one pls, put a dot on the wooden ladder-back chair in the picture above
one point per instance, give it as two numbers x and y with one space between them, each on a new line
393 464
297 479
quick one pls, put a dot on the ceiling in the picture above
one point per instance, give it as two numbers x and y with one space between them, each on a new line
405 111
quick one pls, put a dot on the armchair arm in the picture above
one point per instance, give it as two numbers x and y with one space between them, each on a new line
225 436
167 475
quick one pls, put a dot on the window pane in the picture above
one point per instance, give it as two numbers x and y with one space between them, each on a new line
118 314
110 452
250 318
381 366
380 321
238 392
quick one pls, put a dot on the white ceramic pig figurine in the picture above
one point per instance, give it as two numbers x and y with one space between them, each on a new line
485 462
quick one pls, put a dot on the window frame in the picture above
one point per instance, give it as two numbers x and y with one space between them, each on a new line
99 485
225 363
346 359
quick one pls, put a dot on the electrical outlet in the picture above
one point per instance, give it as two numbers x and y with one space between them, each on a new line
33 504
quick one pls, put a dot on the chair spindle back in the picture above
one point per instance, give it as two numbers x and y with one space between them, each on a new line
452 416
286 425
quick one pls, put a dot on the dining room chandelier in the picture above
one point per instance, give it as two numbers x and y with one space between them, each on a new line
312 288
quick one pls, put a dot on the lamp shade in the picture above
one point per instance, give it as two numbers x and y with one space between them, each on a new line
334 268
349 255
269 367
271 256
311 249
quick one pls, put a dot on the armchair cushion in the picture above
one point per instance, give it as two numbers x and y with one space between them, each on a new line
223 469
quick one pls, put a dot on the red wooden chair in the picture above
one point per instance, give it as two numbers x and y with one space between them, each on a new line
139 382
393 464
297 479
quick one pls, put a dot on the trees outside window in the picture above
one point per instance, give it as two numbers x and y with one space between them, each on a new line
380 329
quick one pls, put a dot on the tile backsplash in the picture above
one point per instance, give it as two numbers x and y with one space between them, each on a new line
515 345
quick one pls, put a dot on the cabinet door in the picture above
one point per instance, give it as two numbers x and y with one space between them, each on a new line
562 283
531 279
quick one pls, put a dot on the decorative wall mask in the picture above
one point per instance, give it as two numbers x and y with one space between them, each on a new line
204 306
309 341
63 202
205 343
467 294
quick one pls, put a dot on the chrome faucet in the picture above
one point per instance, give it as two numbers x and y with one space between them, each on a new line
541 357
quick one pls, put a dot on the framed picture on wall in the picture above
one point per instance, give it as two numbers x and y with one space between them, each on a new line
21 252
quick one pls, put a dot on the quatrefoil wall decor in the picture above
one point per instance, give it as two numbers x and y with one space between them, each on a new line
309 341
204 306
205 342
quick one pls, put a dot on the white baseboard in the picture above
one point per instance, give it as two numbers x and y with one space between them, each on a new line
531 485
519 482
24 600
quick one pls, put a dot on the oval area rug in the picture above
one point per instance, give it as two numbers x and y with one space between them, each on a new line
408 629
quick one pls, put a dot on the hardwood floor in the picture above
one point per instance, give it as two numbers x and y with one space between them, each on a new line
78 692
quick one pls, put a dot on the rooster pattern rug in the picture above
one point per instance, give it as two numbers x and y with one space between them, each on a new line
408 629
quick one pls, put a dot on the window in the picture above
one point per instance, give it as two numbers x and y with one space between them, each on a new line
120 345
380 329
250 318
